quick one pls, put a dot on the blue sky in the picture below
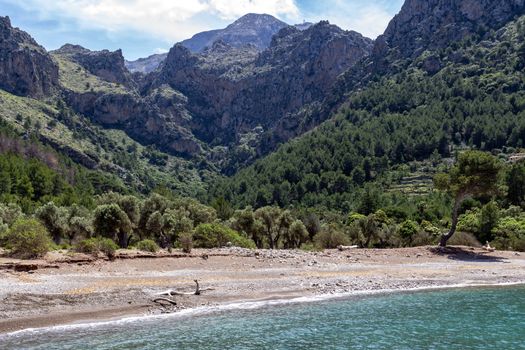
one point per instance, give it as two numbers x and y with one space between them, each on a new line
143 27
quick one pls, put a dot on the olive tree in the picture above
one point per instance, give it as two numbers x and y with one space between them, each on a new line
244 221
111 221
54 219
276 223
476 173
296 235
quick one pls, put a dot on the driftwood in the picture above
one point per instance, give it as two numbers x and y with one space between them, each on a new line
347 247
488 248
198 291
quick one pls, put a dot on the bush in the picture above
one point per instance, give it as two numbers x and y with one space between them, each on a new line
147 245
330 239
96 245
28 239
108 247
464 238
88 246
407 230
186 241
217 236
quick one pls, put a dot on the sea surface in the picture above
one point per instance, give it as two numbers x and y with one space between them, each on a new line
482 318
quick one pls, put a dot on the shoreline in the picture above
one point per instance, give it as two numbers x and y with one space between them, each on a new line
101 320
63 297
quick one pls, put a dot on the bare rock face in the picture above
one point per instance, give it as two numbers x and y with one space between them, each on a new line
252 29
107 65
26 69
233 90
431 24
141 118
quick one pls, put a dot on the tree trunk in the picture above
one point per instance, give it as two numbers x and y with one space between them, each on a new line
123 239
455 218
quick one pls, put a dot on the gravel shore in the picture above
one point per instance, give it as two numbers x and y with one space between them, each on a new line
66 288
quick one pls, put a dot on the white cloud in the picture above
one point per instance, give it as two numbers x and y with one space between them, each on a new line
229 9
167 19
369 19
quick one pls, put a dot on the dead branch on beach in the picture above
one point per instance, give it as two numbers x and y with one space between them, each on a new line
198 291
170 293
346 247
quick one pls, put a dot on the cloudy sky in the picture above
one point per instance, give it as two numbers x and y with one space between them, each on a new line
143 27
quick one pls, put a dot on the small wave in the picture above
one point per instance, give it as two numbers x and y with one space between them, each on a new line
245 305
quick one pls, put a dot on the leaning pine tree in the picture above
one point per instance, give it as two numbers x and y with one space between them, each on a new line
475 174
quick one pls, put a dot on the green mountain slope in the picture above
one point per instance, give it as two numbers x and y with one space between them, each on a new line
469 94
109 151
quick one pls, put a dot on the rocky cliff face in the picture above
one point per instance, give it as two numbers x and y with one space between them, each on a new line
252 29
431 24
26 69
421 25
110 66
231 91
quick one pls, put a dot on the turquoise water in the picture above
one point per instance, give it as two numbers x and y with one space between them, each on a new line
489 318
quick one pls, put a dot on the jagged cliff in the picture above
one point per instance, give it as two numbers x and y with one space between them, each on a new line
107 65
232 91
26 69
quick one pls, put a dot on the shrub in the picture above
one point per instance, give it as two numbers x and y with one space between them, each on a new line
330 239
108 247
186 241
464 238
407 230
216 236
96 245
423 238
88 246
510 233
309 247
147 245
28 239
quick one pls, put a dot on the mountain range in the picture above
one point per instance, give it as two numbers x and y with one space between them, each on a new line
281 114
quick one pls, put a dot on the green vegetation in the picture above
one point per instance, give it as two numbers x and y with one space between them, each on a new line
97 245
147 245
218 236
114 220
399 119
75 78
141 168
475 174
27 239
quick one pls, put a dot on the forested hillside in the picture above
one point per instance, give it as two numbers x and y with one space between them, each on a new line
472 95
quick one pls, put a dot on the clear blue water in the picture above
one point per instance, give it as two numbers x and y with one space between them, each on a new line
488 318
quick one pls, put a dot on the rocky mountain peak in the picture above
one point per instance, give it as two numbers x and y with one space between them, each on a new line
257 21
256 29
71 49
